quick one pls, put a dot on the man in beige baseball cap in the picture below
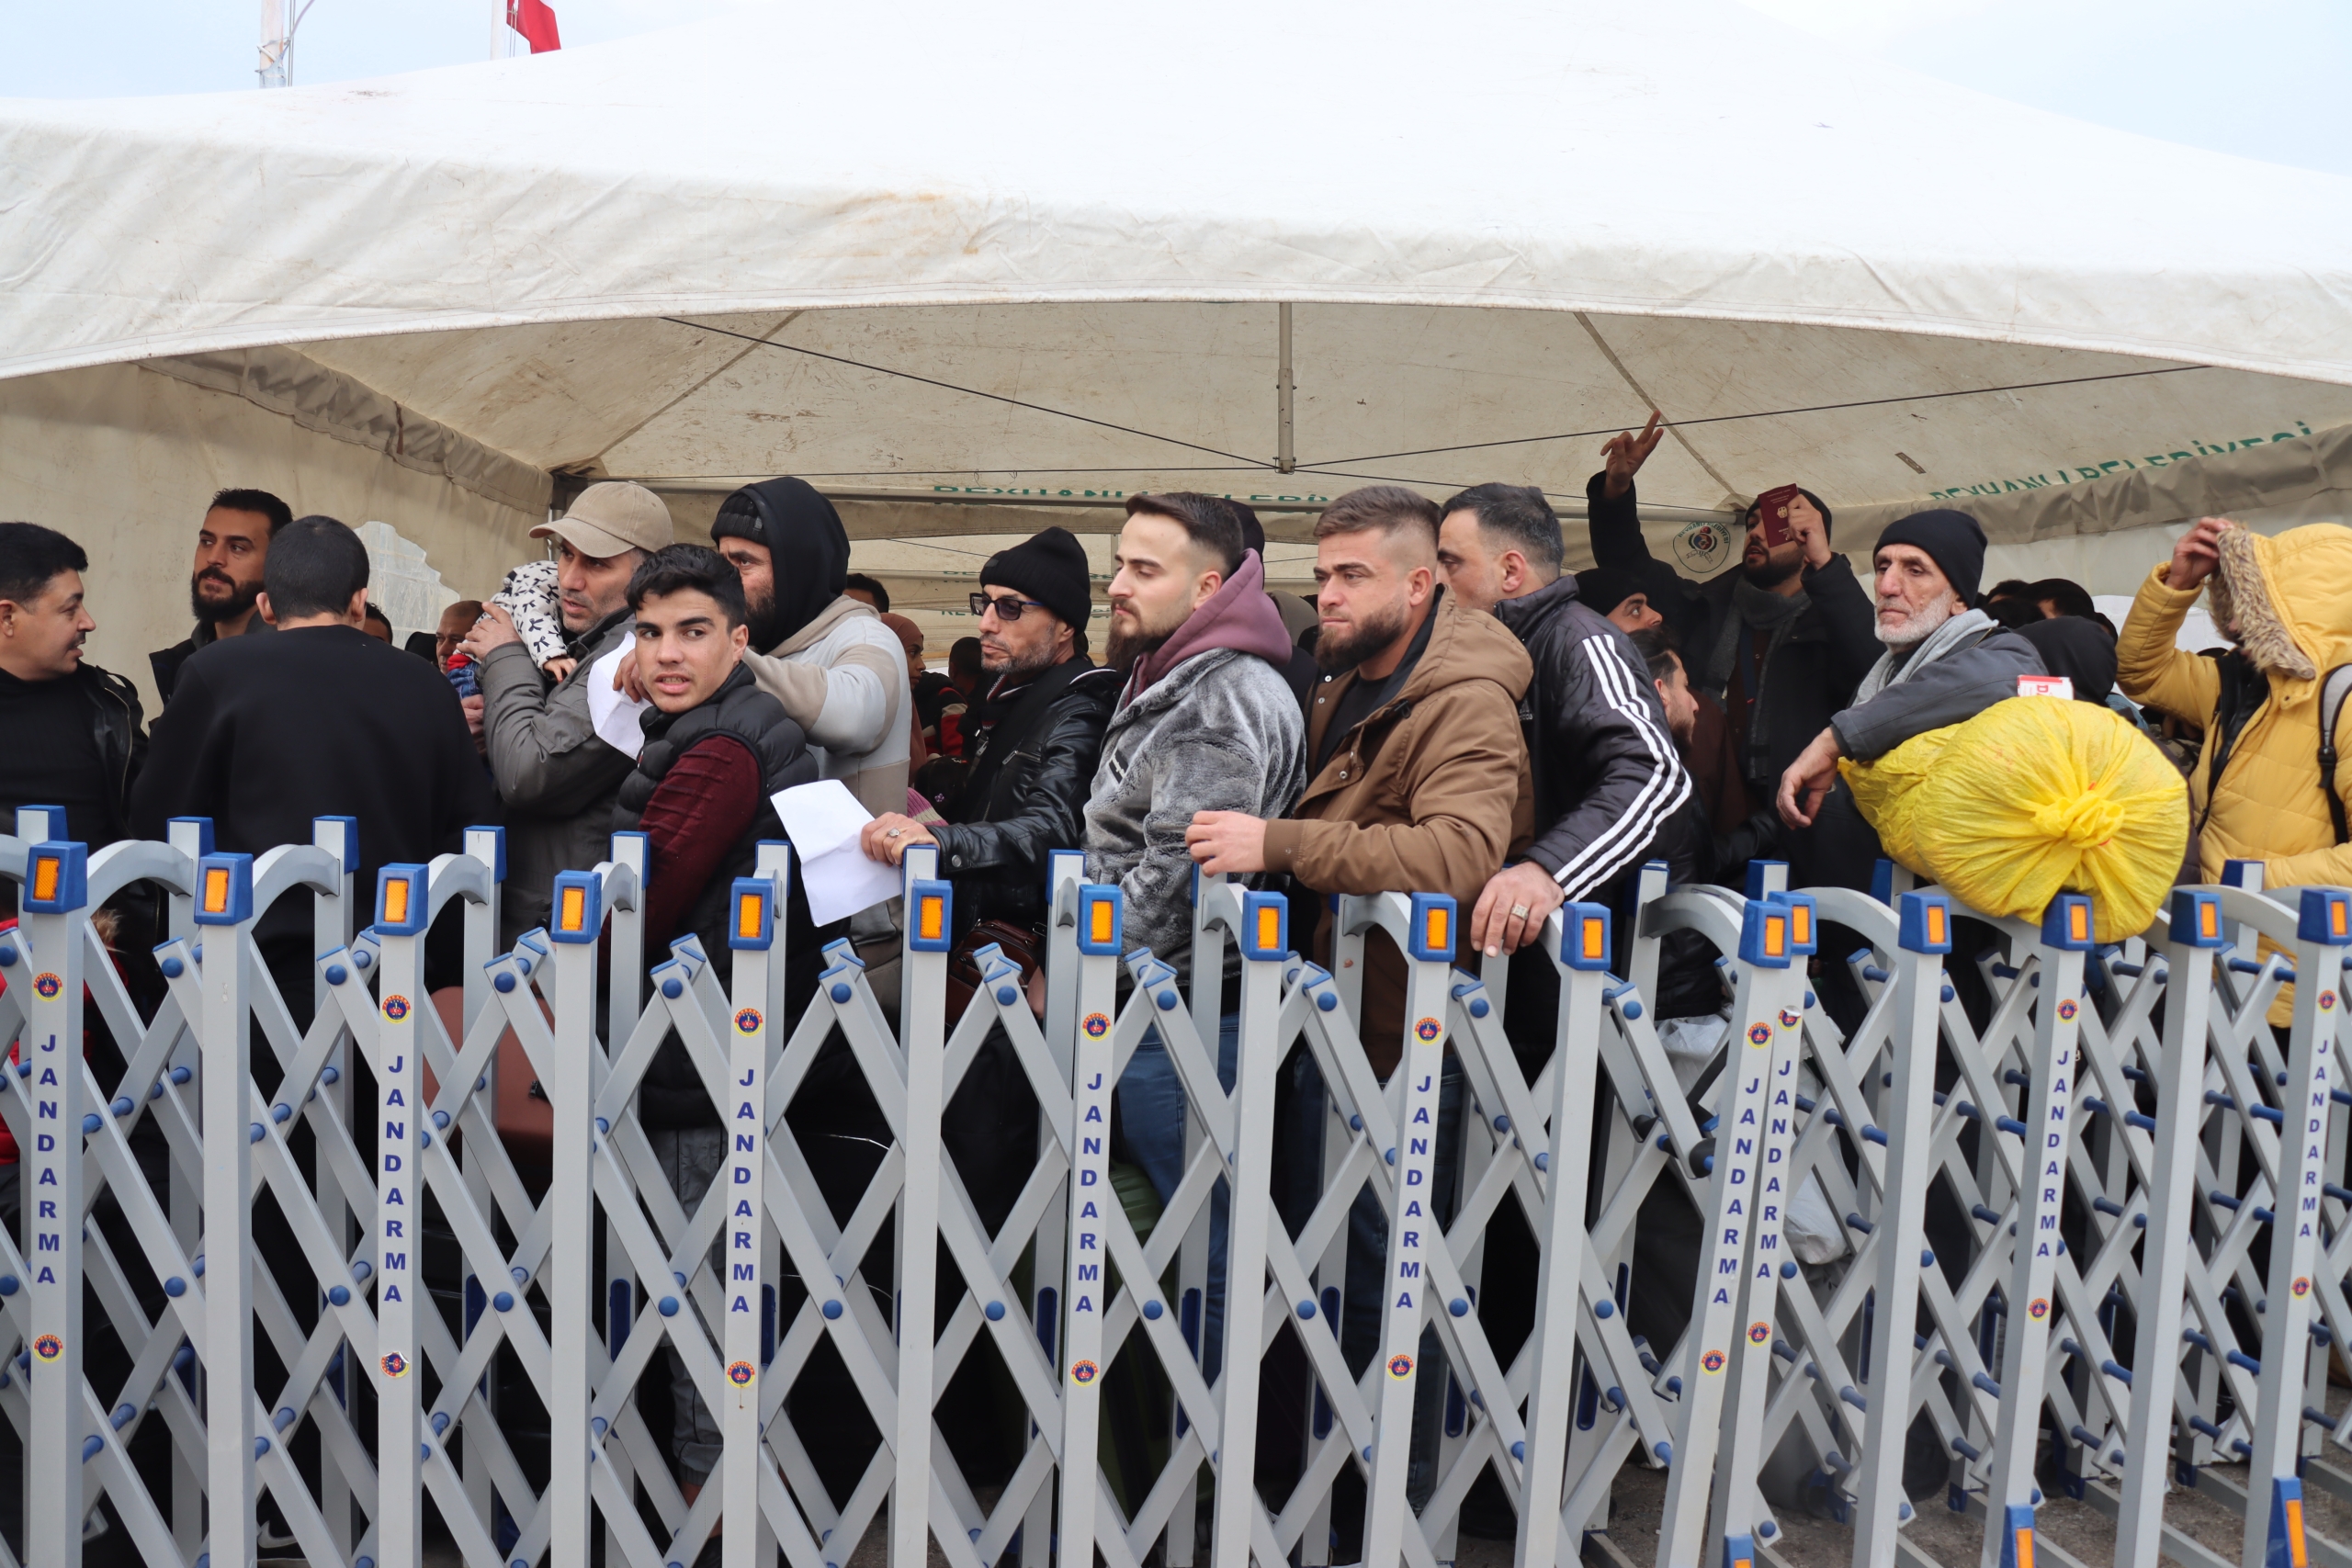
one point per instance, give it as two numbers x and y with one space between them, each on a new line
556 778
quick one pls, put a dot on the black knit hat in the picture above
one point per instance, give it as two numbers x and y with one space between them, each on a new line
1953 540
1050 568
1602 588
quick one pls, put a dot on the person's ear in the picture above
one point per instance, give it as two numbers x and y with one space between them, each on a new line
1205 588
740 637
261 603
356 612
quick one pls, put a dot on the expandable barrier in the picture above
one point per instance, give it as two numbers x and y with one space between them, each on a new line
2099 1237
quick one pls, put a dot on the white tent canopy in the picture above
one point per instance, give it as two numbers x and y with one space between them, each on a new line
947 250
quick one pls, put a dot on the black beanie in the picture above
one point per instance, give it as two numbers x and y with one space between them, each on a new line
1952 541
1602 588
1050 568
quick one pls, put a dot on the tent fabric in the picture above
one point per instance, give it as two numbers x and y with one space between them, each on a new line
1059 255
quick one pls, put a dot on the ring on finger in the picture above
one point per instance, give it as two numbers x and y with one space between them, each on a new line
1519 911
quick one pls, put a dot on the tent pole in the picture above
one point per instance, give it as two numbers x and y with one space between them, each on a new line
1285 456
274 41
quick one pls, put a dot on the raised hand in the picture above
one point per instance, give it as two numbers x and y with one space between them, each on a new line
1624 454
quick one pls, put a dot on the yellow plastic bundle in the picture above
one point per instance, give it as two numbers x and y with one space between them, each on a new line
2033 797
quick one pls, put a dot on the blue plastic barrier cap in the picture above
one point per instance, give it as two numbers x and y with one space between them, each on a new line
1924 923
403 903
1802 938
2066 924
1764 935
57 877
1430 931
577 914
1584 937
1265 927
2326 916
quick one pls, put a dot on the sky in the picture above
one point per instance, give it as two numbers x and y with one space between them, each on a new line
2257 78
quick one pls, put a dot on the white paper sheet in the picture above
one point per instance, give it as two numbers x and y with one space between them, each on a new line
613 715
822 819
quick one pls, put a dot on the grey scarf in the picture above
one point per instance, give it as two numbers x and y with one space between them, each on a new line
1897 666
1753 609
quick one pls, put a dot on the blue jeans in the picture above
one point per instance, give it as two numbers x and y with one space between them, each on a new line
1152 1114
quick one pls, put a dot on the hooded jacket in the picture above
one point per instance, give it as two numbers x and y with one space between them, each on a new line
838 671
1206 724
1428 794
2255 792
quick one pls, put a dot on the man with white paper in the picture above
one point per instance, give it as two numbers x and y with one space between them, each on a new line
557 757
716 750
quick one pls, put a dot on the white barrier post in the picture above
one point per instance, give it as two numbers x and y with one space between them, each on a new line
2043 1133
752 934
1092 1081
1908 1119
577 918
404 911
53 1195
2195 934
929 932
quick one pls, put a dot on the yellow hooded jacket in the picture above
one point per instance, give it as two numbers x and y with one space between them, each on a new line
2290 597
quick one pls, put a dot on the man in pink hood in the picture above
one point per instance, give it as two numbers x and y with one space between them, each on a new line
1206 722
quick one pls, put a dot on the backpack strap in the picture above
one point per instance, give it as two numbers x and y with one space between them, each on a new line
2333 689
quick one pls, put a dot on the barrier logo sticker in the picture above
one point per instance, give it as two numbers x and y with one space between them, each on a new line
2037 1308
2066 1012
740 1373
2302 1287
395 1364
1759 1331
1427 1029
1702 548
1789 1019
1096 1026
1400 1366
1083 1372
1761 1035
2327 998
48 985
1713 1360
748 1021
396 1008
49 1347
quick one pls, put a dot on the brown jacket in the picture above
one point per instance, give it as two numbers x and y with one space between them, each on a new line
1427 795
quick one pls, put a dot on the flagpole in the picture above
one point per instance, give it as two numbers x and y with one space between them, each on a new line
498 29
271 68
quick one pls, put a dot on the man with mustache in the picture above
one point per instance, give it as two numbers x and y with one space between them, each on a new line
232 548
1781 642
75 736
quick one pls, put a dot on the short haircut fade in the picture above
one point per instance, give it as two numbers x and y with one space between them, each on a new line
258 502
1659 649
858 580
1208 521
315 565
689 568
32 556
1381 509
1520 517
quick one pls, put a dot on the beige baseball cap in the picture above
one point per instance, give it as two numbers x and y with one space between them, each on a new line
611 517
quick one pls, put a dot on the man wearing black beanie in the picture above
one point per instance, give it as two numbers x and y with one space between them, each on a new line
1945 663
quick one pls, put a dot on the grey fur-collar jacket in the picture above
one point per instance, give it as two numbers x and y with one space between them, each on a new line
1221 732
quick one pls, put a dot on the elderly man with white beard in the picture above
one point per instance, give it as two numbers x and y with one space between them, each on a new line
1945 661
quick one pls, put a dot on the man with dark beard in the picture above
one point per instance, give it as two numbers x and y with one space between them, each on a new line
1781 642
231 547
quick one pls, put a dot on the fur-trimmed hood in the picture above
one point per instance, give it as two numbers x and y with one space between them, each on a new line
2287 599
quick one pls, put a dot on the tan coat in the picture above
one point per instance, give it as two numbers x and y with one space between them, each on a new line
1428 795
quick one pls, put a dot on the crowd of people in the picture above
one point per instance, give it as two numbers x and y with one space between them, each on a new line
1451 711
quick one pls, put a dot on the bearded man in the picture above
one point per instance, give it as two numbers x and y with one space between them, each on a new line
1945 662
232 548
1781 642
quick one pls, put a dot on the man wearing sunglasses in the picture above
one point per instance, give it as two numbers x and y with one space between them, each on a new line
1037 732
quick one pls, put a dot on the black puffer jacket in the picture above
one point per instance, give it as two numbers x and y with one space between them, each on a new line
1026 795
1607 776
671 1094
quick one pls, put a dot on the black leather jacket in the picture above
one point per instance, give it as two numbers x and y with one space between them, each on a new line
1026 797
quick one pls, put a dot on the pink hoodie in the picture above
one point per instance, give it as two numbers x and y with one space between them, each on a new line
1239 615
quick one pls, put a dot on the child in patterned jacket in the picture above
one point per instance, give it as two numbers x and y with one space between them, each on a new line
528 595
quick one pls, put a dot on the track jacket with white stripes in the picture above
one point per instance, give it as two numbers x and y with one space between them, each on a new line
1606 774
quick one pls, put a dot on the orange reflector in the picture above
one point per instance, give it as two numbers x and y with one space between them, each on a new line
2209 920
1270 928
395 901
575 907
2078 921
1595 946
2025 1548
933 919
747 915
1099 921
45 878
1436 938
2297 1553
2336 917
1776 936
1741 1563
1802 924
1935 923
216 888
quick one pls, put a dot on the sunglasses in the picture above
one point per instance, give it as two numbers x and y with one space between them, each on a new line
1007 608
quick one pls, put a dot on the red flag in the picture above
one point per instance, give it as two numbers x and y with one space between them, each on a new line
534 20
